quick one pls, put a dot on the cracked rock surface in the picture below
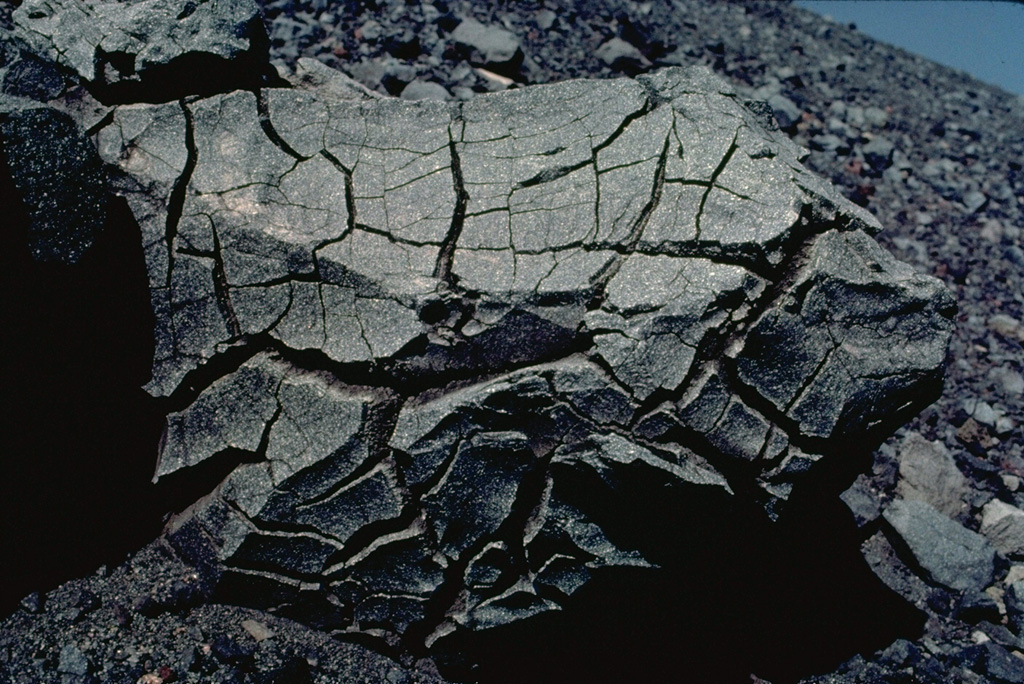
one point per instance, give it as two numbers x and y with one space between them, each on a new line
612 273
430 340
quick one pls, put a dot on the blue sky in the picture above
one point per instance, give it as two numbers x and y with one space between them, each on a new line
982 37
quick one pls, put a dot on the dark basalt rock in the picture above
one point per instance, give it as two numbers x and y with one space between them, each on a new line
435 338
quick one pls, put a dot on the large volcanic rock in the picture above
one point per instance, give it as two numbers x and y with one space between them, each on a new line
435 340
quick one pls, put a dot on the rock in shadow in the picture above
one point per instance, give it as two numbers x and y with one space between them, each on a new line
733 595
77 432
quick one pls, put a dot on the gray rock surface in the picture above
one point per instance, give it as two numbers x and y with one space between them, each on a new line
139 49
949 553
928 473
435 337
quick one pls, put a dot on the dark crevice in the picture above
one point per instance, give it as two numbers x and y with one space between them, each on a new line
714 177
711 350
809 380
369 464
740 474
261 448
446 255
394 239
652 101
221 365
107 119
502 349
350 198
511 531
636 231
549 175
267 571
220 289
283 280
263 109
748 256
336 567
176 201
201 253
282 528
754 400
183 487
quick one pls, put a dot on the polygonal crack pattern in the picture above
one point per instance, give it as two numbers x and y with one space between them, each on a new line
438 334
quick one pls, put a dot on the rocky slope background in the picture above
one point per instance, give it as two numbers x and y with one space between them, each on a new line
934 154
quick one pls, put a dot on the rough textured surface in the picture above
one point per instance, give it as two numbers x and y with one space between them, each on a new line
928 473
439 336
677 292
949 553
161 630
142 50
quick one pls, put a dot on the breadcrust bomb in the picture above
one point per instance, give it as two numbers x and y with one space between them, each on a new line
436 337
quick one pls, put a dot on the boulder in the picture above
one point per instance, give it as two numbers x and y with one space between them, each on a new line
435 343
606 299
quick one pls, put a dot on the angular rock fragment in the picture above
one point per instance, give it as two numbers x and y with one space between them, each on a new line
435 339
1003 525
928 473
949 553
138 51
819 356
489 46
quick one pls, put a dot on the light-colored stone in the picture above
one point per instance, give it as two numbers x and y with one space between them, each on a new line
258 630
997 594
1003 525
981 411
928 473
1007 326
1014 574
